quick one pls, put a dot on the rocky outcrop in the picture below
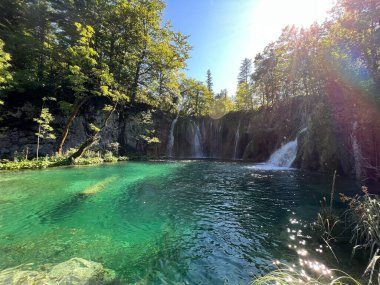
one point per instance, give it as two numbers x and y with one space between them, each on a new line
249 136
17 131
76 271
343 133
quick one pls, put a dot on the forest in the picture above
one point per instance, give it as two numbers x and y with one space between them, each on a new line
212 187
63 55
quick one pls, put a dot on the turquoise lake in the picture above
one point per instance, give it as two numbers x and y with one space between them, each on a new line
183 222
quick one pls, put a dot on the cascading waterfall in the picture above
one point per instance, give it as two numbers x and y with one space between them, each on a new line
197 145
237 137
285 156
171 138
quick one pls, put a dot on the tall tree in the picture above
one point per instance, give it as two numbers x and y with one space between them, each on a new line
245 71
244 97
209 81
88 78
356 34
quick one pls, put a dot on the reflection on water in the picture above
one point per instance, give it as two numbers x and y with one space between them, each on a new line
186 222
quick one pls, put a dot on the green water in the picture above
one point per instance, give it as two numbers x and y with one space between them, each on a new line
162 223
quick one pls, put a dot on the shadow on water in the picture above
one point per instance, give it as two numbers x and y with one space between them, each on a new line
73 203
63 209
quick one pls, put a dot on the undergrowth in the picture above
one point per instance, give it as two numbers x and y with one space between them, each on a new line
88 158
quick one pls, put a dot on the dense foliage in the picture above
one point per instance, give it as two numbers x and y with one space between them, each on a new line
122 54
344 50
74 51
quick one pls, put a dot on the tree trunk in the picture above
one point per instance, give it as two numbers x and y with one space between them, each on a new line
94 138
136 79
85 146
68 125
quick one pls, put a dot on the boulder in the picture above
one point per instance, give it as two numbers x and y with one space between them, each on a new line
76 271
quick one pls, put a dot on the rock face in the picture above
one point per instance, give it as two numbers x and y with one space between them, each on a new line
343 133
76 271
248 136
17 131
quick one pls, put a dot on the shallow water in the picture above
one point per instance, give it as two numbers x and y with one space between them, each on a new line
193 222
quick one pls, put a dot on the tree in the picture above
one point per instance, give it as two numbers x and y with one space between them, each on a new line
209 81
245 71
197 100
5 75
45 130
88 78
143 130
244 97
356 33
222 105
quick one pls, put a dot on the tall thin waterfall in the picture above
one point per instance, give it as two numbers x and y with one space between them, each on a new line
220 140
170 145
285 156
356 151
237 137
197 142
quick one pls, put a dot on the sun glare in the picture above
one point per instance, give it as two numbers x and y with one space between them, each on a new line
301 13
267 18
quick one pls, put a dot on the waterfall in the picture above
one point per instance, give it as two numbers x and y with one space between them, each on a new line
171 138
197 145
356 151
237 137
285 155
219 138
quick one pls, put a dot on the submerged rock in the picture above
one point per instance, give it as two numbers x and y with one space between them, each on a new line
76 271
98 187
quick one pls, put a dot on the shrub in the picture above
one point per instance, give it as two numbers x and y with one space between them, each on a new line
108 157
88 161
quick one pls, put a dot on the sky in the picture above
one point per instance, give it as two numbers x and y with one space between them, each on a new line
224 32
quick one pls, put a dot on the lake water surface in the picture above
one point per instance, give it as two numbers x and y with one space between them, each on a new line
186 222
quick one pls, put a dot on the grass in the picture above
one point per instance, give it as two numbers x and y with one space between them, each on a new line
364 217
364 223
289 277
327 221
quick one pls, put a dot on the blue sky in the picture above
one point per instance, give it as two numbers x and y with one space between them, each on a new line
224 32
